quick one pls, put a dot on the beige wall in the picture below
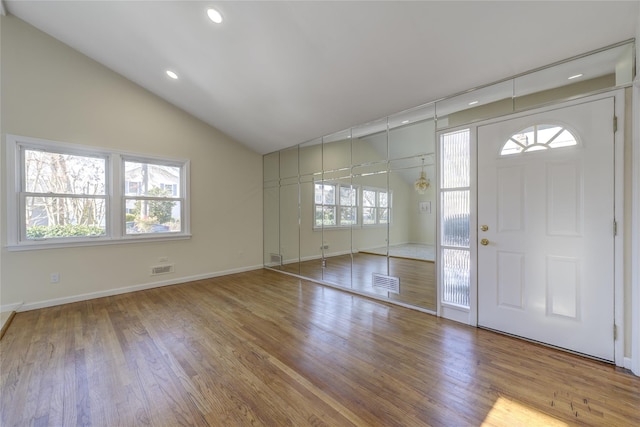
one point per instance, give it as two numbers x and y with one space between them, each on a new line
51 91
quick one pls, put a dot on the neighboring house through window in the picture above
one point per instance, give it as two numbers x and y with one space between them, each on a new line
64 194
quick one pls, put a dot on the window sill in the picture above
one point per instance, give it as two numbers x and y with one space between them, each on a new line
93 241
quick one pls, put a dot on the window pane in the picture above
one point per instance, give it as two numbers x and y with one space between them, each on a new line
368 198
455 218
63 173
50 217
383 216
383 200
348 216
152 216
329 194
455 281
368 216
317 194
148 179
455 159
347 196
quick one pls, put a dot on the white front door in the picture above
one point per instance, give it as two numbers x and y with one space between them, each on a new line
545 210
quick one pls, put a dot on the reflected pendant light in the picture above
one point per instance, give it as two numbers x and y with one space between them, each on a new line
422 183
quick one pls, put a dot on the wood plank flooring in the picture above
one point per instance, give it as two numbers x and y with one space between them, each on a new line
417 277
266 349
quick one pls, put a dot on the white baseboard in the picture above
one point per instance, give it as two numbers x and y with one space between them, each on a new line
124 290
10 307
312 257
627 363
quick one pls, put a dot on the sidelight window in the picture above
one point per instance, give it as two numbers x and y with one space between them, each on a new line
455 163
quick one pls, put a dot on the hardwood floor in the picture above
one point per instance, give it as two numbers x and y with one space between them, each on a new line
263 348
417 277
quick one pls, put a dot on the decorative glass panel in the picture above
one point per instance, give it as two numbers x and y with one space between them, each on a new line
456 265
455 218
455 159
538 137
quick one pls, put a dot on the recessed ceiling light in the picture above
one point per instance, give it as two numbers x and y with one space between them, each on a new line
404 122
171 74
214 15
473 102
574 77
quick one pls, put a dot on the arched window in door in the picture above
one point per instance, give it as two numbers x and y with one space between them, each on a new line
538 137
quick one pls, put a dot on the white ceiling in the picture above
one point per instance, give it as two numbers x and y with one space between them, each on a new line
278 73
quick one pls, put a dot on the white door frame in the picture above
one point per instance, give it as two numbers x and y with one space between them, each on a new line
635 232
619 106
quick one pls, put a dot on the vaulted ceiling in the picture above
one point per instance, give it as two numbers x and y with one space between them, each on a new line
277 73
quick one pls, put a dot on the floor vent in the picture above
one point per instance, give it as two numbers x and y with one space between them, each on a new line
161 269
390 283
276 259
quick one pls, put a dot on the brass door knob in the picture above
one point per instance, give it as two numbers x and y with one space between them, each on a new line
484 228
484 242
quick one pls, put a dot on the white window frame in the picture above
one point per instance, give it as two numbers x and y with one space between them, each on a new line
377 207
338 206
115 226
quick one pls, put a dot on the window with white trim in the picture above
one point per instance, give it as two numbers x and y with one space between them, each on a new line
335 205
340 205
152 206
64 194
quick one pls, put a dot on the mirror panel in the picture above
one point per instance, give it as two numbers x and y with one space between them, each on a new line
591 73
289 228
412 133
271 209
369 142
412 232
370 238
289 211
337 213
363 201
478 104
310 155
289 163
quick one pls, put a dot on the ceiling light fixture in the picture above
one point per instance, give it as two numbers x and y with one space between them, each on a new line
171 74
574 77
214 15
404 122
473 102
422 183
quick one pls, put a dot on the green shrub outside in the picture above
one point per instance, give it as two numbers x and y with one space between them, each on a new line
67 230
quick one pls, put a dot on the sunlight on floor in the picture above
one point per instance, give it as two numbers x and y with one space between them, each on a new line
506 412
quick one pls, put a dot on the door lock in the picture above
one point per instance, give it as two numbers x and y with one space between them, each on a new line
484 228
484 242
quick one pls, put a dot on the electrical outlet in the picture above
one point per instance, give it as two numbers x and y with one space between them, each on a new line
54 278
